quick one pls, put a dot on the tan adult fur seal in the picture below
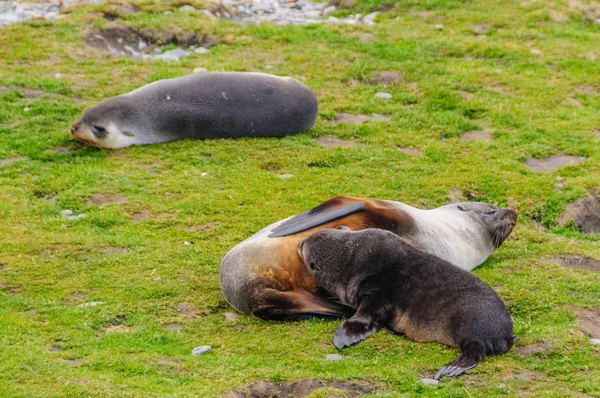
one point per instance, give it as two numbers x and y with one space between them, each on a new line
210 105
265 276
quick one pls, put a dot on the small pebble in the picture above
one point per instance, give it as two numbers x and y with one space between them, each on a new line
371 16
158 278
328 10
186 243
231 316
26 110
186 8
142 45
268 67
168 12
204 175
429 382
284 176
203 349
334 357
91 304
384 96
595 341
438 27
58 75
200 70
157 50
201 50
67 212
536 52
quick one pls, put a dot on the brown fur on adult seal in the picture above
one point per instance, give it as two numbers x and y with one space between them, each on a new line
264 275
394 285
210 105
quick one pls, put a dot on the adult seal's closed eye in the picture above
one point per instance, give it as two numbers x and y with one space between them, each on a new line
392 284
211 105
265 276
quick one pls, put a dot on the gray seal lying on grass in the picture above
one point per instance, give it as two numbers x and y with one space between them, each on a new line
264 275
211 105
392 284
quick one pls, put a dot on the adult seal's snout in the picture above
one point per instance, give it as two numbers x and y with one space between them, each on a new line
211 105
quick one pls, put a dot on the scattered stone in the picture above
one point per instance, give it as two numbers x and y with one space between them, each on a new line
438 27
371 16
429 382
553 163
186 8
578 262
526 375
231 316
595 341
327 11
285 176
535 52
359 119
479 29
201 50
585 212
334 357
334 142
91 304
383 96
536 348
158 278
186 243
410 151
203 174
168 12
200 70
100 199
203 349
173 55
71 216
589 321
476 135
385 78
7 161
55 348
268 67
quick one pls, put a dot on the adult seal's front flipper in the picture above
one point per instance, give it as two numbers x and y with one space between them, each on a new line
297 305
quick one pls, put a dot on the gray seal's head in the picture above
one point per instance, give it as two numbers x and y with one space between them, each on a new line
498 222
112 123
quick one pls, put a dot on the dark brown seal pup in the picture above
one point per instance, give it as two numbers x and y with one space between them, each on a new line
210 105
264 275
392 284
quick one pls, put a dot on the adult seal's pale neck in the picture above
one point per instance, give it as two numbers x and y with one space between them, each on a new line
211 105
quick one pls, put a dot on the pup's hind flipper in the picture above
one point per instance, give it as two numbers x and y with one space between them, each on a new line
472 354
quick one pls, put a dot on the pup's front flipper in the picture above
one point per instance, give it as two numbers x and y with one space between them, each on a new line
371 315
472 354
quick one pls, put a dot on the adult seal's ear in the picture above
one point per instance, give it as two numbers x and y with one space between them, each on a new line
265 275
210 105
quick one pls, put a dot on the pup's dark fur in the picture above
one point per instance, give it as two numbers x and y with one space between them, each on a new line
422 296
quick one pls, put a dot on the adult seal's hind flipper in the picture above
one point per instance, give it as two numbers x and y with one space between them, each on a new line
331 210
296 305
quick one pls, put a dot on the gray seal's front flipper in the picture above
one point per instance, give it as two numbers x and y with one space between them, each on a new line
372 314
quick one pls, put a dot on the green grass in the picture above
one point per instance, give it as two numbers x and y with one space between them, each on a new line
123 346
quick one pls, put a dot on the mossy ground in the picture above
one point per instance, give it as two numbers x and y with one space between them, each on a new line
533 104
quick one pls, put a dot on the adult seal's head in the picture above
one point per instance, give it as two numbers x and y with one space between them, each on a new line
211 105
391 284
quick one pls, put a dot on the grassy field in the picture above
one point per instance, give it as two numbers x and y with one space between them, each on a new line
157 298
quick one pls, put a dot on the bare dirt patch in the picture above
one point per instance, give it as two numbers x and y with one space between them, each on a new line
172 327
589 321
115 250
78 296
136 43
466 95
359 119
477 135
7 161
303 388
62 149
74 362
35 93
410 151
553 163
578 262
209 226
119 329
140 216
536 348
55 348
186 310
385 78
526 375
585 212
100 199
334 142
